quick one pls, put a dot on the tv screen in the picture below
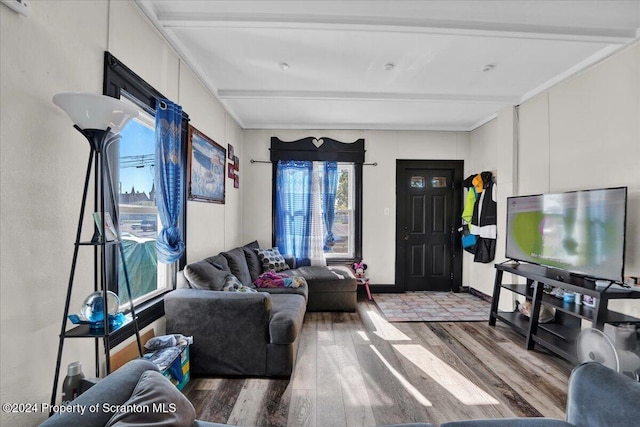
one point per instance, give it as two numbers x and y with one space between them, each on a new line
582 232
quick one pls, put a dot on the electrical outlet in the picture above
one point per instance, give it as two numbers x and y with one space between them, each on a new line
23 7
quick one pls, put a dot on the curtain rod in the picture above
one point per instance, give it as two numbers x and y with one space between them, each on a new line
268 161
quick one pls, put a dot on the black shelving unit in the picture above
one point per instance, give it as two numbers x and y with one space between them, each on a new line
105 254
560 335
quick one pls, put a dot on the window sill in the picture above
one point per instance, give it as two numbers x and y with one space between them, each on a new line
341 261
147 313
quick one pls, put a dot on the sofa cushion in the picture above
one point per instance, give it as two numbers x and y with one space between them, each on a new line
238 265
331 279
271 259
219 262
301 290
287 316
203 275
166 405
253 262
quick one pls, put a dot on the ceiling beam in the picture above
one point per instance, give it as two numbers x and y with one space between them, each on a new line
366 96
432 127
394 24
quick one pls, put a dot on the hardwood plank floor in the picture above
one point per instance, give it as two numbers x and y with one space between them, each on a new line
357 369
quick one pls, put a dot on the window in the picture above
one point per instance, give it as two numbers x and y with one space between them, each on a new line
343 230
292 183
133 169
138 214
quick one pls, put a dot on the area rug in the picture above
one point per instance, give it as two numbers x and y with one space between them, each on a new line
432 307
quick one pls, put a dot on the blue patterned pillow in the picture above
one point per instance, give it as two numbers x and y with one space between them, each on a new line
271 260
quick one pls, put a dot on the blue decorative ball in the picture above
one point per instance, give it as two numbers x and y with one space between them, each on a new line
93 306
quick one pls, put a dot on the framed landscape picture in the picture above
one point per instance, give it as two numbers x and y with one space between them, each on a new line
206 168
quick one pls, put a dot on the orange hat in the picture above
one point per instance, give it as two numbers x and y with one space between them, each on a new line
478 184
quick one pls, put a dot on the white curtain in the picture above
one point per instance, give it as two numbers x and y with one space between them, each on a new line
317 224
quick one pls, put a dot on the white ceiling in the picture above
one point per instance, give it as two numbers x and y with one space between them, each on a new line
337 51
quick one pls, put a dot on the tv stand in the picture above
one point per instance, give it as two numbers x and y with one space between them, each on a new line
560 335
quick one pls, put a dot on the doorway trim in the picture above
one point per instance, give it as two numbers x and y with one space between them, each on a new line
456 252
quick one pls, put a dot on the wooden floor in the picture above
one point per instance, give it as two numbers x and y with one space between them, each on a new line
357 369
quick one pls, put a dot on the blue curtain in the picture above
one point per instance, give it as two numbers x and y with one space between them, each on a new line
293 209
329 188
168 179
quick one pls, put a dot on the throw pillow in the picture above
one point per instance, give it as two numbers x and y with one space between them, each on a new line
238 265
271 260
232 284
203 275
155 402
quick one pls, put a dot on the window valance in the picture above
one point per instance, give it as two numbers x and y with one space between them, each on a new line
317 149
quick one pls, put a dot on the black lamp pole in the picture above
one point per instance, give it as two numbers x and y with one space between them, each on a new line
99 141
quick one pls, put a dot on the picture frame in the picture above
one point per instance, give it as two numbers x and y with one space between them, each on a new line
236 163
230 151
206 164
230 171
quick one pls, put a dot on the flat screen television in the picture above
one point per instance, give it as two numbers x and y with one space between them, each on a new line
582 232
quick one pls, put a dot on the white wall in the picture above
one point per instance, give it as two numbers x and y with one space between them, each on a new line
492 149
583 133
211 227
43 164
483 149
379 186
58 48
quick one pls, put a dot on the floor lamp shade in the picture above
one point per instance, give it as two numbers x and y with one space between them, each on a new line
91 111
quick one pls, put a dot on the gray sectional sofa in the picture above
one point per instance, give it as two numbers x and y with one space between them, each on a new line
249 333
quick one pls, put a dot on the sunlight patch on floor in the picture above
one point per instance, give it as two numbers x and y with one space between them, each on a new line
325 336
207 383
455 383
384 329
364 336
403 381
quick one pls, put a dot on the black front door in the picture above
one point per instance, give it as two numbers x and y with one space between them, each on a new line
428 253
